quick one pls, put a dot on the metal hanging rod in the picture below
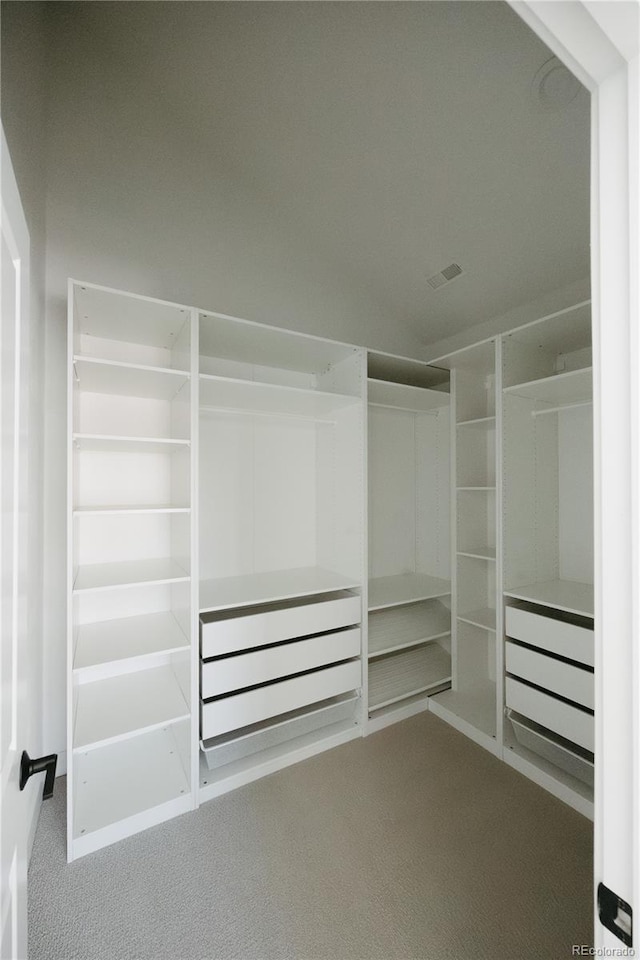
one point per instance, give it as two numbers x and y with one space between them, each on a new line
564 406
238 411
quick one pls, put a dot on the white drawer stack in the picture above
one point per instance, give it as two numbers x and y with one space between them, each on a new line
549 687
271 672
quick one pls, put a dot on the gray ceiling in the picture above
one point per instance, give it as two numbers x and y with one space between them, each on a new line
398 136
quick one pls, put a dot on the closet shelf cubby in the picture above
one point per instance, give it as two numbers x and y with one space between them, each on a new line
568 596
405 588
145 699
225 593
128 379
406 397
127 639
572 386
128 573
484 617
479 553
398 628
118 782
478 423
402 675
474 704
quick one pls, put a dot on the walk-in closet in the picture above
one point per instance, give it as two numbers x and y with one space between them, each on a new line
281 542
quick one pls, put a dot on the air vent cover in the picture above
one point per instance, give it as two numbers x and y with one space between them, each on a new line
445 276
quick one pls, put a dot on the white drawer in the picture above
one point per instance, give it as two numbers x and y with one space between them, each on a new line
230 713
565 679
247 669
565 639
228 634
570 722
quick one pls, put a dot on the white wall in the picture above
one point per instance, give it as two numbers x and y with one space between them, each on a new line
23 120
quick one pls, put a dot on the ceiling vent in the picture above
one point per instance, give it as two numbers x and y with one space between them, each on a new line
445 276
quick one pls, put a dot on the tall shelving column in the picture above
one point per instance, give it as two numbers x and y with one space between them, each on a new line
472 703
548 553
281 548
130 558
409 615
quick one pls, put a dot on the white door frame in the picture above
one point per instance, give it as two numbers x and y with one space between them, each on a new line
599 42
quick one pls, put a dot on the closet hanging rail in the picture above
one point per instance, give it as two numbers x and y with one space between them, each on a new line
271 414
563 406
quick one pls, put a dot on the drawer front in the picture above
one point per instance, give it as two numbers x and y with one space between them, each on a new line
247 669
565 679
570 722
565 639
230 713
257 629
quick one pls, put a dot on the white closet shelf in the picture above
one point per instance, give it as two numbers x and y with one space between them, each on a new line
254 588
407 674
124 779
116 315
127 573
475 705
484 617
108 443
479 423
482 486
128 379
245 341
405 588
127 640
397 628
129 508
574 386
251 396
566 595
479 553
387 393
115 709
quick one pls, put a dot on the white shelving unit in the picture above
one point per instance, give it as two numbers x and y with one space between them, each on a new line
409 591
132 393
471 705
343 527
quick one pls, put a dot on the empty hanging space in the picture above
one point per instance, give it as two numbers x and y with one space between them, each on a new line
548 463
281 464
409 653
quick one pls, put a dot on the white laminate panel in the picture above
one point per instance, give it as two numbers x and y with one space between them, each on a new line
570 722
564 639
231 634
231 713
565 679
260 666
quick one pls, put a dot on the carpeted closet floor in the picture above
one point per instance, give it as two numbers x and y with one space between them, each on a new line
411 843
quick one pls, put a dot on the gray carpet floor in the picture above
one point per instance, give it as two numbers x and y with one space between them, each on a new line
411 843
